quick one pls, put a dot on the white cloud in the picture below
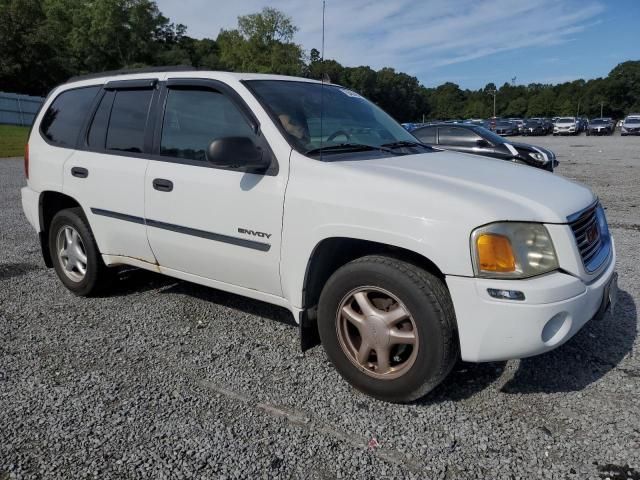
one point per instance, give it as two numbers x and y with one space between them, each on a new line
412 36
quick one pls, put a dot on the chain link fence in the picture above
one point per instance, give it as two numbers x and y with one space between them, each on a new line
16 109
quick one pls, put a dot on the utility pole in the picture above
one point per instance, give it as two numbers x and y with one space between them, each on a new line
578 112
494 93
601 105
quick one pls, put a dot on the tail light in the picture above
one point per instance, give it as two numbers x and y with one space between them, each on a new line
26 161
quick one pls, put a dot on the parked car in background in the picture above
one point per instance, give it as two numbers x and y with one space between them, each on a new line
582 124
631 125
519 123
506 128
480 141
600 126
566 126
547 124
534 128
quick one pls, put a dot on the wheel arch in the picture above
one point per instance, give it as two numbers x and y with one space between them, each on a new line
334 252
51 202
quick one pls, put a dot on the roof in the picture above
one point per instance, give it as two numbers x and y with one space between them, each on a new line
180 71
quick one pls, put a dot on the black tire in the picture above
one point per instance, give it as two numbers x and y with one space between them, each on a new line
424 296
98 276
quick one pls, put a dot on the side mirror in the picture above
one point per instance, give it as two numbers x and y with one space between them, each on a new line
237 152
482 143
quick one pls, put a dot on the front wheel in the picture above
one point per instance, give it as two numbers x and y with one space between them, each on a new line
388 327
75 255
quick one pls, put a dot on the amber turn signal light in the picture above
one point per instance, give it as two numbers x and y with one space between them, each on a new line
495 253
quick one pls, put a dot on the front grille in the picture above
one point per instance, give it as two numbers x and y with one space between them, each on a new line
592 242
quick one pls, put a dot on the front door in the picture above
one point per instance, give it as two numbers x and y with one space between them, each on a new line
220 224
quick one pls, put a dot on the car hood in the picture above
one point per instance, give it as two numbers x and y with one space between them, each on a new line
477 188
525 147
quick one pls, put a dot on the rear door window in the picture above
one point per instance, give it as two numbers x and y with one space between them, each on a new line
426 135
63 120
457 136
128 120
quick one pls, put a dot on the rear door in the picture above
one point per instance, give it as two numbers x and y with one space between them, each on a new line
222 224
106 173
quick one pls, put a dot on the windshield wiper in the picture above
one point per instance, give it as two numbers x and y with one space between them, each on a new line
347 147
405 143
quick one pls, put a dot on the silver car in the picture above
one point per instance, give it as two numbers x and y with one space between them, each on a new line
631 125
566 126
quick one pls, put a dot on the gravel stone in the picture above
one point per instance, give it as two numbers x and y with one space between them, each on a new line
141 383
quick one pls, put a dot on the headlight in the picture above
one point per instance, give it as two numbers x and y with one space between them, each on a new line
537 156
512 250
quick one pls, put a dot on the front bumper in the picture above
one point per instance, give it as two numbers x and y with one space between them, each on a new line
556 307
564 131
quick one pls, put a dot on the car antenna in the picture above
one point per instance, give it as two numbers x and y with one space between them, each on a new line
322 83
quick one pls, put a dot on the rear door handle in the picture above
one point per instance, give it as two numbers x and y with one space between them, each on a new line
79 172
162 185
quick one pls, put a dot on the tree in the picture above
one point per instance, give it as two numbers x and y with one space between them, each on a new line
267 27
44 42
262 43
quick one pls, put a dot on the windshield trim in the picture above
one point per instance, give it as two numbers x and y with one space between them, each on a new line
274 119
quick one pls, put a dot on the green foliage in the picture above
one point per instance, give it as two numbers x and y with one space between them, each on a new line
12 140
44 42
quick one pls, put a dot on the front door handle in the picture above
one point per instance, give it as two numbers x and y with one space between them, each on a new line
79 172
162 185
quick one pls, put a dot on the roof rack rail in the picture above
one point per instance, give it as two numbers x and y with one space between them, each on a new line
127 71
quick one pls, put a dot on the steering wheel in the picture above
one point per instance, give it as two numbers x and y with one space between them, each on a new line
337 133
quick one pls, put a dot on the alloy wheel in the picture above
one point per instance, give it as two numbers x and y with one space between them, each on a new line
377 332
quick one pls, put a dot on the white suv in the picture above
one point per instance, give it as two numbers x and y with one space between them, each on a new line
566 126
402 258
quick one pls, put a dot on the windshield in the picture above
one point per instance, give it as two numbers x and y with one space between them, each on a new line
597 121
347 118
565 120
632 120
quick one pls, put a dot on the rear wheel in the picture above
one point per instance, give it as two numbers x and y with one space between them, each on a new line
75 255
388 327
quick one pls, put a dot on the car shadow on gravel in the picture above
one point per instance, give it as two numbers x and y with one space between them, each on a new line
464 381
597 349
231 300
11 270
134 280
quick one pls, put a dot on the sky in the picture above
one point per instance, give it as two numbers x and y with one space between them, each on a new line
468 42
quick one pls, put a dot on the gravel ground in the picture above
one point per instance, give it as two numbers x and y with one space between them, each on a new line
166 379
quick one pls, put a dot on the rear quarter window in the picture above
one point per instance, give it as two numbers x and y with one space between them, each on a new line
65 117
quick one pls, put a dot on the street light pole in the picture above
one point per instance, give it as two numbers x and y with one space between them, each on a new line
601 105
494 93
